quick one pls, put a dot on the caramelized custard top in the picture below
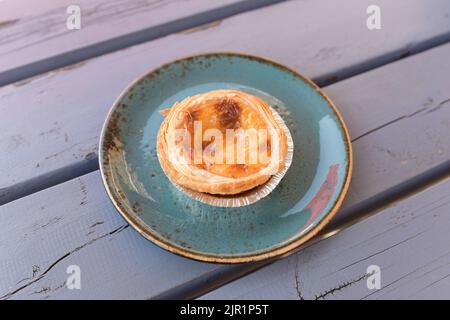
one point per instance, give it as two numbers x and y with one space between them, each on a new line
228 117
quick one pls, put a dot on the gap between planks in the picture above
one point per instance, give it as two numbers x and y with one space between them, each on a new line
90 162
352 215
131 39
376 78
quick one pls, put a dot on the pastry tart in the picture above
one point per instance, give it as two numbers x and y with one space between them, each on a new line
221 142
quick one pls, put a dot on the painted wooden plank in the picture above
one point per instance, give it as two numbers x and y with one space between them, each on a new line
408 242
75 224
18 9
407 121
36 42
45 122
396 141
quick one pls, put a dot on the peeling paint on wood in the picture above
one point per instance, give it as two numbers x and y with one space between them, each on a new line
397 239
202 27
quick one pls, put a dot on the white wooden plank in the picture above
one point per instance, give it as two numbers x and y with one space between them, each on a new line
426 123
35 42
408 241
44 119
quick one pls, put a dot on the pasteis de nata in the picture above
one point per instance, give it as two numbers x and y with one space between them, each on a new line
221 142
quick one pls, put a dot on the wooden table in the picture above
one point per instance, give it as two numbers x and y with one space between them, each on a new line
392 86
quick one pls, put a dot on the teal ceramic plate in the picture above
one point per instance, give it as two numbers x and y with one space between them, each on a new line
304 201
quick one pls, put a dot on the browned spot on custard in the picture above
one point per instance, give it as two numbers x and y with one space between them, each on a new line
229 113
207 143
191 116
222 114
194 115
240 166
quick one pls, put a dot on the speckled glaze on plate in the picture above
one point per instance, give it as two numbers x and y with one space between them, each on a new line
305 200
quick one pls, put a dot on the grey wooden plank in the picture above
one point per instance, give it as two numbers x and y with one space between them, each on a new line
360 101
37 43
50 110
75 224
408 241
396 140
18 9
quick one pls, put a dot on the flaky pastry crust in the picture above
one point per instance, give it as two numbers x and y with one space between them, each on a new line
223 110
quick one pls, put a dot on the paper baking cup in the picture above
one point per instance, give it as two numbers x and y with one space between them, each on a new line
250 196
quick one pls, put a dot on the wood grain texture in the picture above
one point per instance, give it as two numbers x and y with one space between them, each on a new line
33 44
408 241
12 10
52 121
395 121
396 140
75 224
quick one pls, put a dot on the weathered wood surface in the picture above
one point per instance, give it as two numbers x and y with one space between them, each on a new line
51 123
12 10
408 241
36 42
75 224
396 136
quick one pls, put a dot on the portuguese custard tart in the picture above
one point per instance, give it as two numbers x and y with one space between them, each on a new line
221 142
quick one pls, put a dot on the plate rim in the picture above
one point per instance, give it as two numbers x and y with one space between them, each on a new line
285 249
